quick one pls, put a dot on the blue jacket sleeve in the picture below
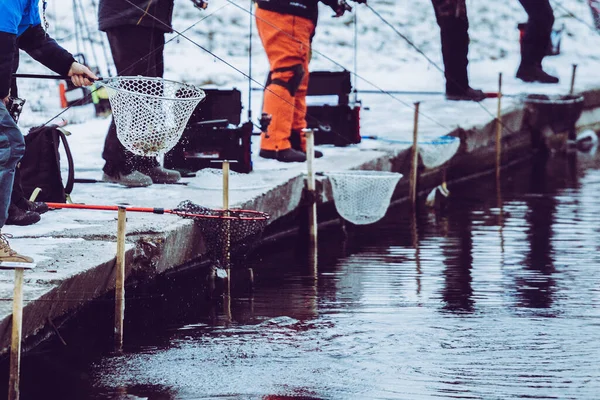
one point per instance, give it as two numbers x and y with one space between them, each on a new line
36 42
8 49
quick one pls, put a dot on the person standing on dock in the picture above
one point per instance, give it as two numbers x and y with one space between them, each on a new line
536 41
21 28
136 34
286 29
451 16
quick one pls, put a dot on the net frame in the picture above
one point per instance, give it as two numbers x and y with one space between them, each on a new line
346 201
226 232
150 113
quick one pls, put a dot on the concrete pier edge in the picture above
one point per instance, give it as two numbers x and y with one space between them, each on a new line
181 245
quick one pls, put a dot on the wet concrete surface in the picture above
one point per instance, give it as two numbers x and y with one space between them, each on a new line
493 296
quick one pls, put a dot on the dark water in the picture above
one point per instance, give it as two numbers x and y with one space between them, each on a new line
497 296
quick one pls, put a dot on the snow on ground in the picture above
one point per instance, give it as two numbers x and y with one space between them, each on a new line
385 62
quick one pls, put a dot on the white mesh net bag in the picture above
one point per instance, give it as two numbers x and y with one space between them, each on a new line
438 151
363 197
150 113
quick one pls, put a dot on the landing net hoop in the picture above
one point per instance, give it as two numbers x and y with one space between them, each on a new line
363 197
150 113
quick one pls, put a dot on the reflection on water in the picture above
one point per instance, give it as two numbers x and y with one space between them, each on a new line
495 296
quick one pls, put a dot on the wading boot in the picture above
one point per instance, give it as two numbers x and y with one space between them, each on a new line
160 174
535 73
34 206
17 216
287 155
134 179
297 144
10 258
466 95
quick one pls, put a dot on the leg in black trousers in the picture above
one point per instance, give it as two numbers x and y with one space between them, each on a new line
451 16
136 50
536 41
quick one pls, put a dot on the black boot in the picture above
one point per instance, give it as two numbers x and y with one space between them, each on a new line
469 94
17 216
287 155
535 73
35 206
296 143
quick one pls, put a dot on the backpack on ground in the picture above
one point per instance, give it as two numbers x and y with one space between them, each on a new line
40 166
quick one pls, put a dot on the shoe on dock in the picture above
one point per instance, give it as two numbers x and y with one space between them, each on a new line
10 258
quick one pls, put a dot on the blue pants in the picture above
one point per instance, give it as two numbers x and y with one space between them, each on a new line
12 148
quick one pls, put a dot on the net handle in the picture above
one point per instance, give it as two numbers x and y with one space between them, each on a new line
260 216
106 83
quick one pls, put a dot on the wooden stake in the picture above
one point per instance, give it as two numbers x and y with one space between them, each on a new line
311 187
414 166
227 244
15 345
120 279
573 79
499 128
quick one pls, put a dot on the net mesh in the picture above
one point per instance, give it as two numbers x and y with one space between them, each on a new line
233 231
438 151
150 113
363 197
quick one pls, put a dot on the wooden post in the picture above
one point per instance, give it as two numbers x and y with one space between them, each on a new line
414 166
120 279
15 343
572 90
227 227
311 187
499 128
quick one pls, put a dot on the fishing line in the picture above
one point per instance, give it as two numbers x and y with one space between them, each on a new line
430 61
575 17
78 102
339 65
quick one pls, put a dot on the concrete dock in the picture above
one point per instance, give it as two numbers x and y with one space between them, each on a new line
75 249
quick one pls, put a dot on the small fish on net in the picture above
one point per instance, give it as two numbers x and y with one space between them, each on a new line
237 230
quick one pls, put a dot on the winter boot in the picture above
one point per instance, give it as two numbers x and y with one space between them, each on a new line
160 174
17 216
134 179
469 94
535 73
10 258
297 143
287 155
35 206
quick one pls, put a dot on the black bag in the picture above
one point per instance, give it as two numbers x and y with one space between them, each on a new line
40 166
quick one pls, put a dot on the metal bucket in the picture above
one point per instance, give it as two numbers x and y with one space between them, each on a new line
558 112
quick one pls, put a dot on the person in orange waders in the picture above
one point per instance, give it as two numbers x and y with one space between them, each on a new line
286 28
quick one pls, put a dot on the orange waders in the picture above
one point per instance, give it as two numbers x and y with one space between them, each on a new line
286 39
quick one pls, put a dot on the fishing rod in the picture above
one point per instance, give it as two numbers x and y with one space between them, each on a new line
433 63
80 101
411 106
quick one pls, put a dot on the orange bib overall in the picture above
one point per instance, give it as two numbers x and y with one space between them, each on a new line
286 39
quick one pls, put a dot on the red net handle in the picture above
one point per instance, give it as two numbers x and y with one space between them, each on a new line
155 210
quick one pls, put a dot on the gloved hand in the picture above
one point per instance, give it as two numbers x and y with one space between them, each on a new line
360 1
200 4
341 8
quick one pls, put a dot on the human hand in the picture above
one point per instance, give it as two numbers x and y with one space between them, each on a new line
200 4
81 75
341 8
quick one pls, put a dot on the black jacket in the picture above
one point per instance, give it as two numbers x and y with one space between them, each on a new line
115 13
302 8
38 45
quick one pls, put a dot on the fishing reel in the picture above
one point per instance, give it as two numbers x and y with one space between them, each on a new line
200 4
15 107
343 6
